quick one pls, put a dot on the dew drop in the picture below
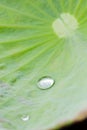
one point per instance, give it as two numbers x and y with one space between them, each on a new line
45 83
25 118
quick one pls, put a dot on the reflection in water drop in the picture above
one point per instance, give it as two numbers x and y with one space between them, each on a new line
25 118
45 82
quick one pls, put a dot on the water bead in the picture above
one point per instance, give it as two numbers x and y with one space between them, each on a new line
45 83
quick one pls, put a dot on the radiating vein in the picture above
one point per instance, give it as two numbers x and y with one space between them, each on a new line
82 14
51 4
16 51
70 5
77 7
41 11
27 61
24 26
29 38
56 51
62 4
83 20
27 15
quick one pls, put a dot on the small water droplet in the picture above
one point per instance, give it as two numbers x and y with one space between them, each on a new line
46 82
25 118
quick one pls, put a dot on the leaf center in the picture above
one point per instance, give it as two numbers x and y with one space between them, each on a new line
65 25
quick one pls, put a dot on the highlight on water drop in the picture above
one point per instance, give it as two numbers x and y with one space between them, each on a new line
25 117
45 82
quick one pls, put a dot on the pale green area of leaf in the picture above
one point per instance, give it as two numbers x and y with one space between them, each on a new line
29 50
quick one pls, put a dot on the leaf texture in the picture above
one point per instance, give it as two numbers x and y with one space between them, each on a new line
30 50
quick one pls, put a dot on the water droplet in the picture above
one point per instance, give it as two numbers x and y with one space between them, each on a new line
25 118
45 83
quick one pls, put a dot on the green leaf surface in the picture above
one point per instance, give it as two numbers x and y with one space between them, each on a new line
30 50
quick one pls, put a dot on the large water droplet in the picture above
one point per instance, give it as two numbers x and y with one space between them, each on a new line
25 117
46 82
